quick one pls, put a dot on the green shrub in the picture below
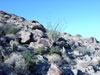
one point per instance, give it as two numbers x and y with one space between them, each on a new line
30 61
54 50
9 29
28 58
40 50
54 35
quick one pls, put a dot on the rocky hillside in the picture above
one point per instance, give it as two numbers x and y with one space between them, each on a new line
27 48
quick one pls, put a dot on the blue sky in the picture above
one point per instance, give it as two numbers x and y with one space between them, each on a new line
74 16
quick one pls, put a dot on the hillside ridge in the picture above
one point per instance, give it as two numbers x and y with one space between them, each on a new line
28 48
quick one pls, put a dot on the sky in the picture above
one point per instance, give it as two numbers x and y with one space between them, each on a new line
73 16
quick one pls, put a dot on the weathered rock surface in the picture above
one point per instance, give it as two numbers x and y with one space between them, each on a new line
54 58
35 45
36 25
25 36
38 34
45 42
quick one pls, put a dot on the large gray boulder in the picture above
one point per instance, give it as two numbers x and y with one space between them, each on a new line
54 58
35 45
45 41
37 34
55 70
93 40
25 36
36 25
42 42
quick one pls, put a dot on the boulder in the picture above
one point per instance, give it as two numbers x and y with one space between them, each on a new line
21 48
36 25
35 45
79 72
55 70
10 37
90 70
76 53
45 41
2 23
37 34
61 42
66 35
98 72
82 65
25 36
78 35
65 56
41 68
2 66
93 40
90 41
16 63
95 60
41 58
76 38
54 58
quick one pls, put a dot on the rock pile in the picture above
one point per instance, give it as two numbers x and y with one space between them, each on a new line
26 48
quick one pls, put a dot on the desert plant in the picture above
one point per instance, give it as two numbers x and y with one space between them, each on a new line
30 61
16 63
9 29
54 35
54 50
52 31
28 58
40 50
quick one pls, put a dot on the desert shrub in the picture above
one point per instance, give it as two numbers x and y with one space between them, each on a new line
30 61
52 30
9 29
40 50
54 50
16 64
13 44
28 58
54 35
